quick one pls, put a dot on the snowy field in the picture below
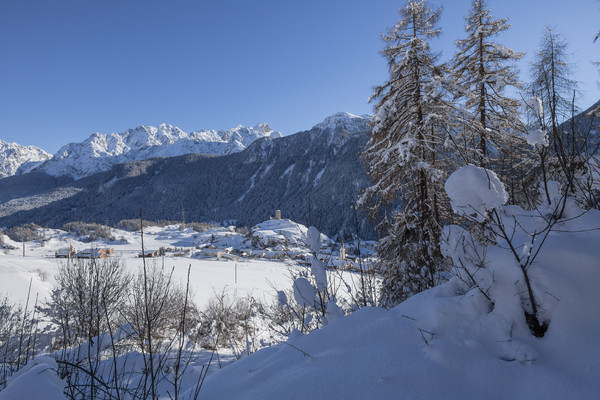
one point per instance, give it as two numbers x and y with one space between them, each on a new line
208 276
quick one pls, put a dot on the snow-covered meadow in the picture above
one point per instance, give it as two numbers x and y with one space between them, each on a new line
207 275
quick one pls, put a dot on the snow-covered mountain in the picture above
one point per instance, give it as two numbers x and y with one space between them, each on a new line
312 176
344 121
100 152
15 158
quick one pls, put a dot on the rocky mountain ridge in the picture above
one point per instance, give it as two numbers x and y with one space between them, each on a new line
18 159
100 152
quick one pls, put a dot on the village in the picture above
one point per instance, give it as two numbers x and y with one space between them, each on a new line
276 239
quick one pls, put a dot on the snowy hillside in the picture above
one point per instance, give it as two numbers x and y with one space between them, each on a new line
100 152
15 158
450 342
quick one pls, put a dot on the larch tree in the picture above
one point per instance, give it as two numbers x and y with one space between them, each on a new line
552 84
404 156
482 70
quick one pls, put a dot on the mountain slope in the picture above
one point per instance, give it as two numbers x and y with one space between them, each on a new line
312 177
15 158
100 152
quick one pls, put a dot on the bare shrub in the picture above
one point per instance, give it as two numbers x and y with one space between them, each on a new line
87 298
9 320
166 303
227 321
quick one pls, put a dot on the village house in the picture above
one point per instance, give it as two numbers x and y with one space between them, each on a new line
95 253
65 252
148 254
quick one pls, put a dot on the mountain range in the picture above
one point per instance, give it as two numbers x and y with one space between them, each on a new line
18 159
100 152
312 176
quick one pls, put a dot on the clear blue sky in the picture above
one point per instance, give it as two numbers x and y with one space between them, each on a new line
71 68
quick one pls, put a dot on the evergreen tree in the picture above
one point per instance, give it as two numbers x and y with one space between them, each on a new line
482 70
403 155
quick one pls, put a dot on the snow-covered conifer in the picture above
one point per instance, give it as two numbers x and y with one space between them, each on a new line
404 155
482 70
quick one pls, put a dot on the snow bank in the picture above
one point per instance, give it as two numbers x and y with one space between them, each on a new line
36 381
475 191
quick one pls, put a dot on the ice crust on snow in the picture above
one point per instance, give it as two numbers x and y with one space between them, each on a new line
475 191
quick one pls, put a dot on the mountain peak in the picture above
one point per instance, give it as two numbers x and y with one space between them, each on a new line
344 120
16 158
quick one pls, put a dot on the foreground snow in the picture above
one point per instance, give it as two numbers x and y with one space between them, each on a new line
447 342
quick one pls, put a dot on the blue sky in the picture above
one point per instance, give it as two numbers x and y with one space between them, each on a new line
71 68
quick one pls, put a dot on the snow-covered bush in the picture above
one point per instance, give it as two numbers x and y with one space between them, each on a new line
475 192
309 304
479 196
